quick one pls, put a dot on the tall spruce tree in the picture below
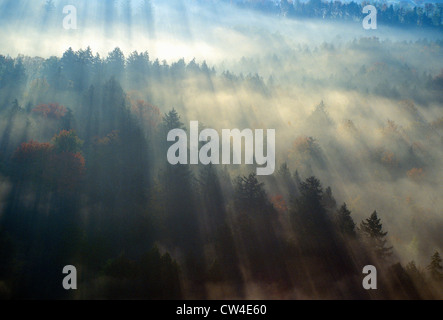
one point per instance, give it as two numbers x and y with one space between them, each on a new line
344 221
285 175
435 268
251 196
374 236
414 272
171 120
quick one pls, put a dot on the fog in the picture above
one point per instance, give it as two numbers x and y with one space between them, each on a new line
172 30
371 99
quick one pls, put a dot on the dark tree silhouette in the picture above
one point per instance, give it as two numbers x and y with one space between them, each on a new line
374 236
344 221
435 267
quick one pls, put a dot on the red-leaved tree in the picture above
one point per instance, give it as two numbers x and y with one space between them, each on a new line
51 111
58 166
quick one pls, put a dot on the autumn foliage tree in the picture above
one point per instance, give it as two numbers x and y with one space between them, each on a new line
147 113
279 203
59 165
50 111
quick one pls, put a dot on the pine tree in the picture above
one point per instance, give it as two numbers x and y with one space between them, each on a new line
115 64
297 178
308 210
344 221
285 175
329 201
435 267
250 195
49 6
171 120
283 171
312 189
414 272
411 268
375 237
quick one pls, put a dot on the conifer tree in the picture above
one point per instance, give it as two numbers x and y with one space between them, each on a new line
171 120
344 221
285 175
297 178
374 236
328 200
435 267
413 271
251 195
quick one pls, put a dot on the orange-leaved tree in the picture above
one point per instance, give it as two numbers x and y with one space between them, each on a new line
58 166
147 113
51 110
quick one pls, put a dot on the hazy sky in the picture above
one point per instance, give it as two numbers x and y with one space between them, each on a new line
178 29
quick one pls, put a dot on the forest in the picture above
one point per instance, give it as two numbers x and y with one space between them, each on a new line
85 181
398 14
